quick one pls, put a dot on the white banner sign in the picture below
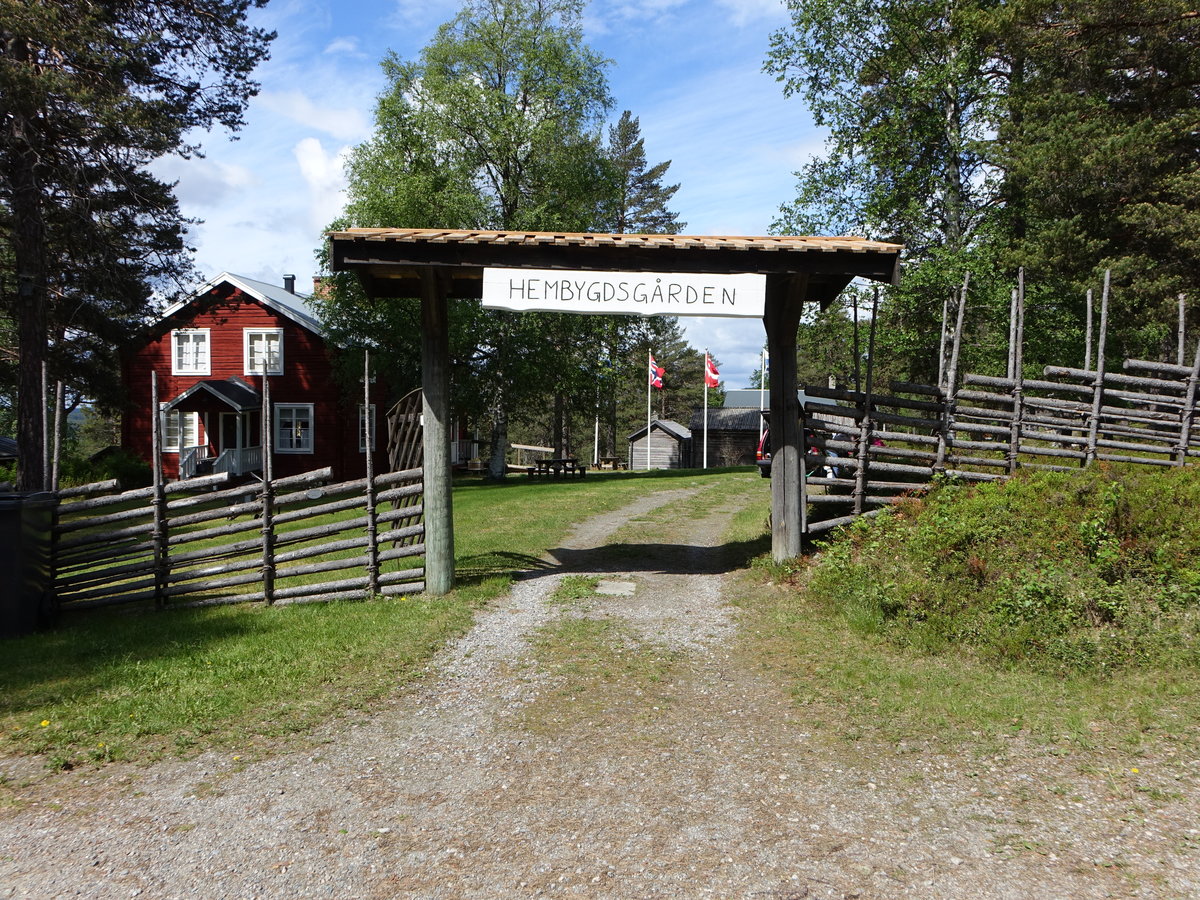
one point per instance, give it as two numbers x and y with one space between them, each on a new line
624 293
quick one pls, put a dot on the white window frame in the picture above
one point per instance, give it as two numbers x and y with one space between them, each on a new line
361 444
249 334
185 422
277 427
197 366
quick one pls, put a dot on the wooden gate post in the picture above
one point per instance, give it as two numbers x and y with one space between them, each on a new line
1098 385
435 379
1188 416
784 302
159 504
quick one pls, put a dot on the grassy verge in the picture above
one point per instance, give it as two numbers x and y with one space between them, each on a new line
139 684
1059 607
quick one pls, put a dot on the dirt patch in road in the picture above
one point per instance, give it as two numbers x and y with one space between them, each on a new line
616 745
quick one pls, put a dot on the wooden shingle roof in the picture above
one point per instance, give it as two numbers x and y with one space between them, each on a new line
389 261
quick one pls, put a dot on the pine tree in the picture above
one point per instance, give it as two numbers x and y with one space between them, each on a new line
640 204
93 93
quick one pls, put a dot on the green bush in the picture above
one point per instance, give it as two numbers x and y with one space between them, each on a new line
1089 571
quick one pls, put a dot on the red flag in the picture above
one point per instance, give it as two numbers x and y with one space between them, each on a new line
656 374
711 375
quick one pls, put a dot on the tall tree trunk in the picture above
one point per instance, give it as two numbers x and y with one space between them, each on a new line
497 462
559 441
29 256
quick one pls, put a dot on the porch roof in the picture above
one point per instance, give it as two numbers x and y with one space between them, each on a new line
233 392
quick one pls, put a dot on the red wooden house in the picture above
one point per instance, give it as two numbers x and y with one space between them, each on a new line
210 352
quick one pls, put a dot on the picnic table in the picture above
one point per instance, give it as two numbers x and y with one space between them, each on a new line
611 462
557 468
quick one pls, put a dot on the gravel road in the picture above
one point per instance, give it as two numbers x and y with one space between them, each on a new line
486 781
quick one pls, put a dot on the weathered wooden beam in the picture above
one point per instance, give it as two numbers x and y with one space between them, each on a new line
784 304
435 381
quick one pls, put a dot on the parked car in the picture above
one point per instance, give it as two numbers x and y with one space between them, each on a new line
815 448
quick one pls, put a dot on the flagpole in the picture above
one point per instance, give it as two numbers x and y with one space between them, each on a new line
649 366
706 407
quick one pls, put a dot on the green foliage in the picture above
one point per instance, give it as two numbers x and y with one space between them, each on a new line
94 93
1058 137
497 124
1060 573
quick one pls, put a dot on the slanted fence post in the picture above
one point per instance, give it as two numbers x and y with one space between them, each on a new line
949 389
1188 416
268 494
866 426
1098 390
159 504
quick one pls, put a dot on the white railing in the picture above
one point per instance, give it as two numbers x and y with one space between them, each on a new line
238 462
189 458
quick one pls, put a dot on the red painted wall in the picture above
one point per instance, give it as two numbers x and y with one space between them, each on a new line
308 378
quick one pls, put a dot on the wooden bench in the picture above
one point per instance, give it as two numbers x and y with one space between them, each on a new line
557 468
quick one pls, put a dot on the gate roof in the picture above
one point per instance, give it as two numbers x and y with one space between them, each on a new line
389 261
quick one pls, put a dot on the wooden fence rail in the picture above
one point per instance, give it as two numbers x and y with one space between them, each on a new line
201 542
991 428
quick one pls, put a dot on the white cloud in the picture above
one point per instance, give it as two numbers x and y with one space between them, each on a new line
419 13
325 177
343 46
203 182
344 123
745 12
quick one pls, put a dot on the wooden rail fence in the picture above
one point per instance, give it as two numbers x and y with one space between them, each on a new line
989 428
294 539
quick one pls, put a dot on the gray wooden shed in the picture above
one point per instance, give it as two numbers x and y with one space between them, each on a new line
668 443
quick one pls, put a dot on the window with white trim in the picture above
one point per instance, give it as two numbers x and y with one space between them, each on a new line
262 347
180 430
362 446
189 352
293 428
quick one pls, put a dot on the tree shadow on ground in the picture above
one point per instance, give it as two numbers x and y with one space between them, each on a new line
666 559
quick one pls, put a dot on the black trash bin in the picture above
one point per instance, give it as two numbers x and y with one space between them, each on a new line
26 576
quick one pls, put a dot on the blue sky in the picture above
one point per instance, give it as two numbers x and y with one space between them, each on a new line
690 70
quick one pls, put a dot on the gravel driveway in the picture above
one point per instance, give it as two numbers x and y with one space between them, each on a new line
488 780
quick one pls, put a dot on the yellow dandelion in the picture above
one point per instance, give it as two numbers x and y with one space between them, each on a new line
45 723
1134 771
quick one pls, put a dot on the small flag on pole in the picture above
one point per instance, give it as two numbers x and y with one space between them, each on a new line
711 375
656 374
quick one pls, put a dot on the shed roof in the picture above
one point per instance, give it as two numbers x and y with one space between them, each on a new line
674 429
389 260
736 418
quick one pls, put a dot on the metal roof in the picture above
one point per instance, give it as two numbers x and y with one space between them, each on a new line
674 429
735 418
274 296
390 261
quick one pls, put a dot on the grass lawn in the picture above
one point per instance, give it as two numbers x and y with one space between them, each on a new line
139 684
